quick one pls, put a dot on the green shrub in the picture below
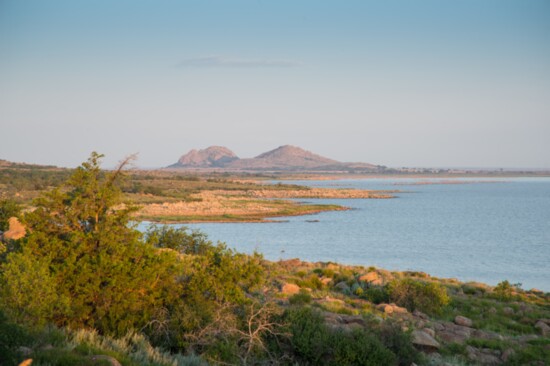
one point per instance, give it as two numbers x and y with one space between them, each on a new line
8 208
12 337
312 281
301 298
399 342
429 297
313 342
376 295
505 291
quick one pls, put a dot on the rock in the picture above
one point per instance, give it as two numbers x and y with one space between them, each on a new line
342 286
16 230
354 319
398 310
424 340
508 310
485 334
290 289
27 362
543 327
386 308
438 327
453 333
326 280
492 310
113 361
372 278
526 338
483 357
430 331
419 314
451 337
462 320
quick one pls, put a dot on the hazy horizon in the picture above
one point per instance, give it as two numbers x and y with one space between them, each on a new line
395 83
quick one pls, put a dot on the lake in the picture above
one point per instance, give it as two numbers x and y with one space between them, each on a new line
485 230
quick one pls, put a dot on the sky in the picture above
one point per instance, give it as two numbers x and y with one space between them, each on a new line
427 83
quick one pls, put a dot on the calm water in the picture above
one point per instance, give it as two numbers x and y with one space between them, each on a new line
486 232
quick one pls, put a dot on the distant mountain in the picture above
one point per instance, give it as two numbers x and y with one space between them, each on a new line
212 157
283 158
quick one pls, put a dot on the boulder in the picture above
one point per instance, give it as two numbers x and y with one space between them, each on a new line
16 230
419 314
462 320
342 286
430 331
386 308
27 362
372 278
400 310
508 310
543 327
424 340
290 289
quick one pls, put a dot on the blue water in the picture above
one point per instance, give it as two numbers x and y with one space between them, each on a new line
484 232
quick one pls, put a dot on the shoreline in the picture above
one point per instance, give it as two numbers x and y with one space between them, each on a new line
251 206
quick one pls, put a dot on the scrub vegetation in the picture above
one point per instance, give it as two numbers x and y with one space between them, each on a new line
84 287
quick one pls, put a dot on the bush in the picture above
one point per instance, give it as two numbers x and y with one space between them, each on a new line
376 295
8 208
429 297
12 337
505 291
301 298
313 342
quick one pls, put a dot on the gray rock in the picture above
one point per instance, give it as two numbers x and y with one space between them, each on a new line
342 286
462 320
429 331
424 340
543 327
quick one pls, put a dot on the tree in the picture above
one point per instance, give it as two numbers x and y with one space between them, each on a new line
8 208
98 272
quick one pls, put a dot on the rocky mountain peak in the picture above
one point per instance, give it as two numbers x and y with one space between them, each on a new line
213 156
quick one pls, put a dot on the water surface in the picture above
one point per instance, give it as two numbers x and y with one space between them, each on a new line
486 232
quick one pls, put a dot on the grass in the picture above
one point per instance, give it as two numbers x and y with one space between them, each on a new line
54 346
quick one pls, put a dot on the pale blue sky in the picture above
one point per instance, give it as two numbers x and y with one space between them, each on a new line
398 83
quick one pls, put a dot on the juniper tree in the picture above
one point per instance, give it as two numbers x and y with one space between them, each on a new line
83 263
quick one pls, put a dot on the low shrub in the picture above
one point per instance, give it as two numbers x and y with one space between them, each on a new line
301 298
429 297
313 342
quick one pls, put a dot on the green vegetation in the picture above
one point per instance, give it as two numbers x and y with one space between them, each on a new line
84 285
429 297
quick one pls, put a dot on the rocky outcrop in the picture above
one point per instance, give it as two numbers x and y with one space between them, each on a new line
372 278
285 157
290 289
424 340
211 157
16 230
543 326
462 320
